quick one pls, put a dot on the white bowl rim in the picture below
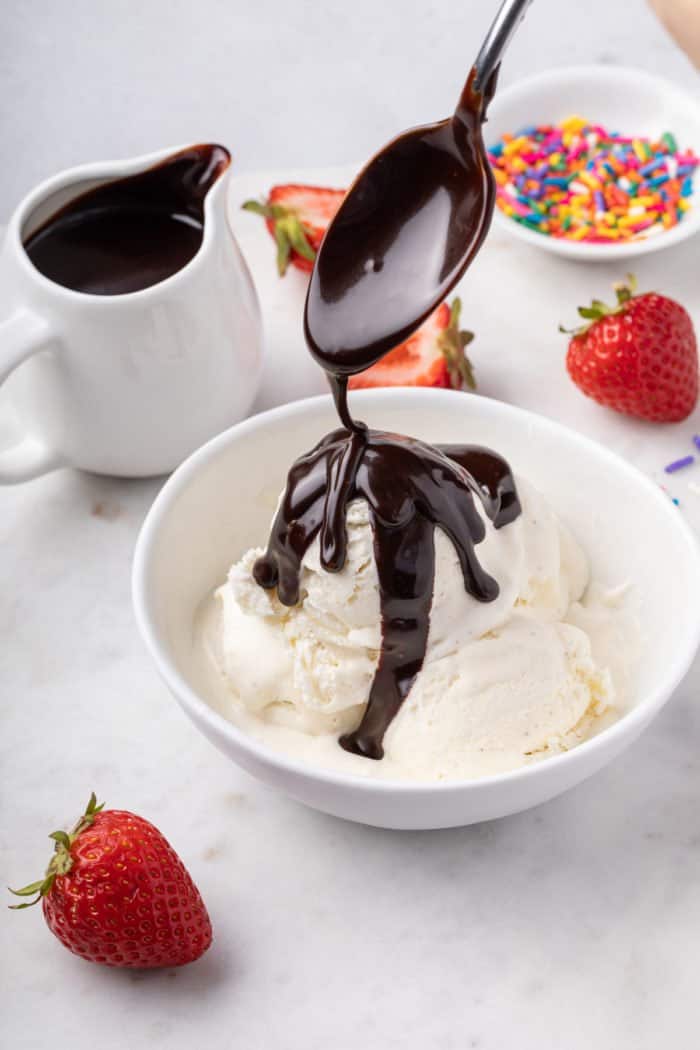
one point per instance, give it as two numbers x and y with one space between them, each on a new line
577 249
636 718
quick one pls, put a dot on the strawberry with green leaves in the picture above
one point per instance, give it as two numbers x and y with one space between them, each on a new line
297 217
433 356
115 892
639 357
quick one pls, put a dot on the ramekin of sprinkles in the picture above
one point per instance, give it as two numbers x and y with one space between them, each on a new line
579 181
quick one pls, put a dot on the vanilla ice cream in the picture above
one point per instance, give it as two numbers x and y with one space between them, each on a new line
503 683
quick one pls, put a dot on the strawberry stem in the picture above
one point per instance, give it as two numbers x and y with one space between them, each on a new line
258 208
452 343
284 249
624 292
288 231
61 861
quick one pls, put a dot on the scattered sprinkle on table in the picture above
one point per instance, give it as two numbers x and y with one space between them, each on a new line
673 499
678 464
581 182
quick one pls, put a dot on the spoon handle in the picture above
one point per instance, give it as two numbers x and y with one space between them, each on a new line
509 17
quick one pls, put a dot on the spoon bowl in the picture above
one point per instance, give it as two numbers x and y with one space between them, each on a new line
407 230
409 226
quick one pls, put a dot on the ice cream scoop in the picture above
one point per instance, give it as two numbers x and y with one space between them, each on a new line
502 683
410 489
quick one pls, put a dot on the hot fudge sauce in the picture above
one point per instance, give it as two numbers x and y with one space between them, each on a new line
353 317
128 234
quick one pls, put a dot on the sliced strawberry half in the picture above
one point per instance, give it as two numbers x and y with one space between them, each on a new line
433 356
297 217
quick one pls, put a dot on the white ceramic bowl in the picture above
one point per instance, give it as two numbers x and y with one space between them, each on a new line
625 100
219 502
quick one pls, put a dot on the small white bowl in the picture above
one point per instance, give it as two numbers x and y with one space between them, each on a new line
625 100
219 503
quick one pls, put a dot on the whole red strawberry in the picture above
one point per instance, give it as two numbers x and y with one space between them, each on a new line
639 357
115 892
433 356
297 217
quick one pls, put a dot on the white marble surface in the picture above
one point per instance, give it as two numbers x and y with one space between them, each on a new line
570 926
282 83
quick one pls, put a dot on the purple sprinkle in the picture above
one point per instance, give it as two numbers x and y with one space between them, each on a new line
678 464
696 440
650 168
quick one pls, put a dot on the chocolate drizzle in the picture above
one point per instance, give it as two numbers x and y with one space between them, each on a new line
410 488
362 301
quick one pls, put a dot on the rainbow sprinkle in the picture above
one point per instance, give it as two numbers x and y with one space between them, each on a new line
581 182
678 464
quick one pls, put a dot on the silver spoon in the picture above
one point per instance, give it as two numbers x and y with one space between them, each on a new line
411 223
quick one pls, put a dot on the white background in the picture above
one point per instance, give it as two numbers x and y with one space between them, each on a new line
281 82
571 927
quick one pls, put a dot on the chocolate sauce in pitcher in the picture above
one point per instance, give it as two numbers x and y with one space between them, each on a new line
130 233
375 280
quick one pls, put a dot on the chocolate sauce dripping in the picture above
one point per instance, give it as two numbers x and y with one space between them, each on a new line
410 487
339 390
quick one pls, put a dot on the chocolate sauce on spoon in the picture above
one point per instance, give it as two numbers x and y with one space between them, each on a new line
408 228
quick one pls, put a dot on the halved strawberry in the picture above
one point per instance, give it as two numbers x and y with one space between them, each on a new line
433 356
297 217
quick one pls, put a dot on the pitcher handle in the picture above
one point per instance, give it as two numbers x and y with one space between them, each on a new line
22 335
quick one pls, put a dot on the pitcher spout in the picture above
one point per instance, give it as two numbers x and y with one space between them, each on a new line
127 230
195 169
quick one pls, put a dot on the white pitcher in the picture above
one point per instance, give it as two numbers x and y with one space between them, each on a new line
126 384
